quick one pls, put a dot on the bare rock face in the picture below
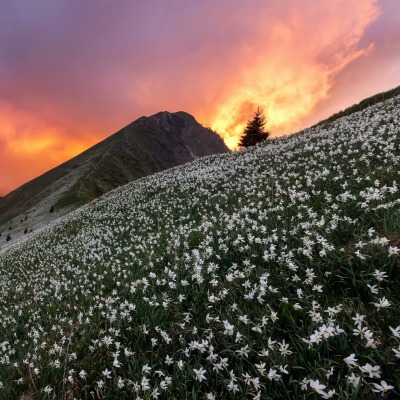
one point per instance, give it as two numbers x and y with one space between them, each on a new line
147 145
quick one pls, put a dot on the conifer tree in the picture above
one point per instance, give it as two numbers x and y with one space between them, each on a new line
254 132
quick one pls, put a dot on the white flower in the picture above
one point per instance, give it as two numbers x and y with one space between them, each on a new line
120 383
47 389
256 383
395 331
260 368
372 371
164 385
351 361
373 289
330 372
100 384
257 396
272 375
318 387
284 348
304 383
169 360
107 373
397 352
83 374
246 378
155 393
283 369
359 255
393 250
383 387
229 328
380 275
354 379
244 351
233 386
145 384
264 353
358 319
317 288
107 340
238 337
146 369
383 303
200 374
116 363
328 395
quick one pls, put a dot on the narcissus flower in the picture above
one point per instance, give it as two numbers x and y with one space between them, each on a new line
382 388
351 361
200 374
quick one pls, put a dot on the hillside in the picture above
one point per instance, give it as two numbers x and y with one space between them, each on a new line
362 105
148 145
271 272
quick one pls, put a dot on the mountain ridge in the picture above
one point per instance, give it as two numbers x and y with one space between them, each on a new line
145 146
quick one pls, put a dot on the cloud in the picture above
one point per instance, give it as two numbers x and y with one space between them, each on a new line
29 146
72 74
302 54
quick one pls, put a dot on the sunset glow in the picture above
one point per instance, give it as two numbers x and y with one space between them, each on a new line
72 75
290 77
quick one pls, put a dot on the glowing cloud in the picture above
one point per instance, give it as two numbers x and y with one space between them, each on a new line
28 140
295 64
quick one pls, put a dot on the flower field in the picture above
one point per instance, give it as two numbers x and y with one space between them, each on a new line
268 273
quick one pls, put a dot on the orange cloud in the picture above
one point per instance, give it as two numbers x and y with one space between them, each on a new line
293 64
29 146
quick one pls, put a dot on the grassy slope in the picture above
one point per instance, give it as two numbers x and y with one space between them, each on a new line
362 105
251 267
31 192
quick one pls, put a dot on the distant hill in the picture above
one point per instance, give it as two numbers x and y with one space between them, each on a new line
148 145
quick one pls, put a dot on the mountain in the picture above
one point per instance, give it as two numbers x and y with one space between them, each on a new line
272 273
148 145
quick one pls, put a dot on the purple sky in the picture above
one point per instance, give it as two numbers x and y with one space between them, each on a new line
73 72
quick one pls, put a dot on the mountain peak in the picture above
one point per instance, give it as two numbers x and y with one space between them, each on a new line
145 146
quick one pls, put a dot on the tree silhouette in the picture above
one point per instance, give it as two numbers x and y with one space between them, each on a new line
254 132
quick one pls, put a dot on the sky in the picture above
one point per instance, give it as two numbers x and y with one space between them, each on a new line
74 72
